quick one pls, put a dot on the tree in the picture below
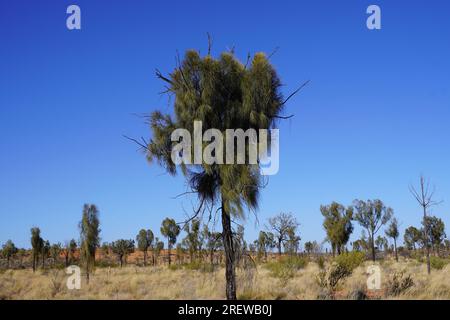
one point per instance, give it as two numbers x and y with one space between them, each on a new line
70 248
89 236
144 241
424 196
266 243
436 232
372 215
292 243
9 250
411 237
311 247
283 224
45 251
170 230
192 240
223 94
392 232
338 225
36 244
213 242
159 246
55 251
122 248
381 243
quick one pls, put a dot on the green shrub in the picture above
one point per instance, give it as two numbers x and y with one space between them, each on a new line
321 262
438 263
350 260
285 268
200 266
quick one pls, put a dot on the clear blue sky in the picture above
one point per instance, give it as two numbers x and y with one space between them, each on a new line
375 115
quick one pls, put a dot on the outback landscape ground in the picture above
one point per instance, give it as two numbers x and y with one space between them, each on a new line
288 278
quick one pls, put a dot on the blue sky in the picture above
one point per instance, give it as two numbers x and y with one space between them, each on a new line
375 115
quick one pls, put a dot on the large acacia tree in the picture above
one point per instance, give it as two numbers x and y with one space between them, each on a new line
224 94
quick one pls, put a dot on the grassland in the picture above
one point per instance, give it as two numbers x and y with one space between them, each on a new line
261 282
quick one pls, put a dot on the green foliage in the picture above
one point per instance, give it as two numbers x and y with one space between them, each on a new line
411 237
286 267
89 236
170 230
372 215
350 260
337 224
438 263
122 248
331 278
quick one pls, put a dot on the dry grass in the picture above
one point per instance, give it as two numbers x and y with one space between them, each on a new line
133 282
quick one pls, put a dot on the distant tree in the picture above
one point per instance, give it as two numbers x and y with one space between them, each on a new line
21 253
55 251
282 225
381 243
411 237
144 241
45 252
392 232
170 230
213 242
372 215
424 196
311 247
266 243
192 241
291 245
122 248
436 232
9 250
89 236
159 246
36 244
70 248
338 225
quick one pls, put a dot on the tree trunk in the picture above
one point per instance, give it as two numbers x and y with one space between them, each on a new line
279 248
373 248
230 272
168 251
145 257
427 247
395 248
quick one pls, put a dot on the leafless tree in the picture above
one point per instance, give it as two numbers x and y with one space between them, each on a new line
424 197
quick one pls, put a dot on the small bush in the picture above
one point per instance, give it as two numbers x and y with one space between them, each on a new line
285 268
321 262
350 260
438 263
399 283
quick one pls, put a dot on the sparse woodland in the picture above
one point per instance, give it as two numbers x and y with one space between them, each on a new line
198 259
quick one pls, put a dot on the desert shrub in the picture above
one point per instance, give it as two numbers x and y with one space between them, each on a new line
350 260
331 278
438 263
285 268
321 262
398 284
